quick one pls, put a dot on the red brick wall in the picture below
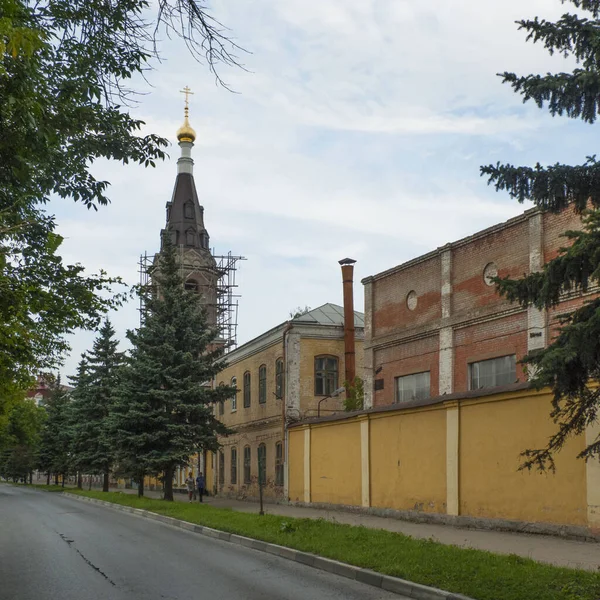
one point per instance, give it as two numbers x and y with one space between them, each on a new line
406 359
507 248
500 337
390 310
554 226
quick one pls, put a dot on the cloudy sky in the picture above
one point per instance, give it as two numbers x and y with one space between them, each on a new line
357 130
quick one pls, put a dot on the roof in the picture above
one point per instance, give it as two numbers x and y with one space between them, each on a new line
329 314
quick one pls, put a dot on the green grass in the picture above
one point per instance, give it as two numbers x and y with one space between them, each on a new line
475 573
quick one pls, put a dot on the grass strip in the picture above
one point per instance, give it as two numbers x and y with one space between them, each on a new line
475 573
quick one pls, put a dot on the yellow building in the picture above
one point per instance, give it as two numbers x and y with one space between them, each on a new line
287 374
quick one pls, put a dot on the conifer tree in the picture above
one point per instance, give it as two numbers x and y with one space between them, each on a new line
571 363
164 412
93 398
55 443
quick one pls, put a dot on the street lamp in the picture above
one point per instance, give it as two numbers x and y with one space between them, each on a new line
335 394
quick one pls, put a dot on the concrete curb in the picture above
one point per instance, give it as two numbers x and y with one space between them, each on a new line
390 584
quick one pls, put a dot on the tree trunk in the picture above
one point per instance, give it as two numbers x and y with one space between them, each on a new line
48 478
141 487
79 480
55 478
30 477
63 480
168 484
90 482
105 481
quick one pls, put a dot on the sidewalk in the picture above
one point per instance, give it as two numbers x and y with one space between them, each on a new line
557 551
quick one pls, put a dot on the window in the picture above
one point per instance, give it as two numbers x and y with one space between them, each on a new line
188 210
326 375
247 382
191 285
221 468
221 402
190 237
234 397
279 378
233 466
262 464
278 463
262 384
412 387
493 372
247 458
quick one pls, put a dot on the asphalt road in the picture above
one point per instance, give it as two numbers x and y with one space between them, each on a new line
52 547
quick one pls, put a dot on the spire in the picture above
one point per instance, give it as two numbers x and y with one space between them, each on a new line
185 216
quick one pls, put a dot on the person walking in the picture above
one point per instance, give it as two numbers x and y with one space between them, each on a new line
189 482
200 484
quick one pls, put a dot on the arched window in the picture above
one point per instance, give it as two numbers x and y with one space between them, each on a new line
191 285
247 459
204 240
188 210
279 463
262 464
221 402
279 378
247 381
234 466
221 468
190 237
326 375
234 397
262 384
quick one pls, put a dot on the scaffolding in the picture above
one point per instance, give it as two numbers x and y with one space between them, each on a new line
214 280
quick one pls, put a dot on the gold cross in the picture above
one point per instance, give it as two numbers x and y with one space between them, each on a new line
187 91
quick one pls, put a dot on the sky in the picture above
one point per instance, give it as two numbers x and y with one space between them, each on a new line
357 129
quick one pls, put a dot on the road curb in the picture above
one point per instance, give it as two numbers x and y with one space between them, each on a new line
386 582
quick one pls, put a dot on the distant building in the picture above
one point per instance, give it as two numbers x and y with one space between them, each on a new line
282 376
43 389
436 325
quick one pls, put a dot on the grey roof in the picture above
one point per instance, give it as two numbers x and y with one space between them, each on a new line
329 314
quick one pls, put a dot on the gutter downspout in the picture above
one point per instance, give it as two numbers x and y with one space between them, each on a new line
288 327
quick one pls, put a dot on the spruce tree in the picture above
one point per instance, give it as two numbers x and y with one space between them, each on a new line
55 444
164 412
570 365
93 399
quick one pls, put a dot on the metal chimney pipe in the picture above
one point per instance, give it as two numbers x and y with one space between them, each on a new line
348 282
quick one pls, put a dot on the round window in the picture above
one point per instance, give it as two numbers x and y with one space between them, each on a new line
490 271
411 300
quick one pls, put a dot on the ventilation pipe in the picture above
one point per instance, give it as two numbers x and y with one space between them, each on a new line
348 282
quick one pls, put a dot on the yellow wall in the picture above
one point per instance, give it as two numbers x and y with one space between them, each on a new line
492 435
412 467
296 465
408 460
335 463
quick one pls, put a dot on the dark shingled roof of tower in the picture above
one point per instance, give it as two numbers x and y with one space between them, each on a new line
189 223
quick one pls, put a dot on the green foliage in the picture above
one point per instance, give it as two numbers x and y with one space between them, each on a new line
55 443
92 402
474 573
355 395
164 410
571 363
20 437
299 311
64 105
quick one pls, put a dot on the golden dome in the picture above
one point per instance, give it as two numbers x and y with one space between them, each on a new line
186 133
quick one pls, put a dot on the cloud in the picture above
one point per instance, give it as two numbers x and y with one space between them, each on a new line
358 130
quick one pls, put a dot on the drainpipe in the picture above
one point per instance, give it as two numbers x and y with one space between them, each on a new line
348 282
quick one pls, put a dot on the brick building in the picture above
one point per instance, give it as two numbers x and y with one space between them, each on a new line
435 325
282 375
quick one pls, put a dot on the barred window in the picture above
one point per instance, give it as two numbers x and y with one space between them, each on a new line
279 463
247 459
262 464
233 466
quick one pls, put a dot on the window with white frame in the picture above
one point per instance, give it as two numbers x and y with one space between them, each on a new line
493 372
234 397
413 387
